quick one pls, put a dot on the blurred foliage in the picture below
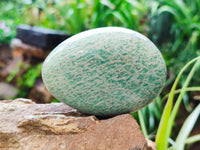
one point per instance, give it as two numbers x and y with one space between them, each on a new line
7 31
24 76
175 28
74 16
173 25
14 72
27 80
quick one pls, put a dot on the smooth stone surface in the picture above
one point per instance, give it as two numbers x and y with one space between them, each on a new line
105 72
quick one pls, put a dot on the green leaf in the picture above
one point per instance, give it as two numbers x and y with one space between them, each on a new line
179 99
163 129
142 123
186 129
192 139
189 89
120 17
169 10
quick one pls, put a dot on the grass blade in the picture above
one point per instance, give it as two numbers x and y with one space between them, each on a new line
162 135
189 89
192 139
178 101
169 10
142 123
186 128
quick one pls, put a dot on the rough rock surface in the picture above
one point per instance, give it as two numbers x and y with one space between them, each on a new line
27 125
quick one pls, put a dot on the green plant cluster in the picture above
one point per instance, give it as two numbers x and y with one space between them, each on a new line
10 12
175 28
25 80
170 113
154 115
74 16
6 32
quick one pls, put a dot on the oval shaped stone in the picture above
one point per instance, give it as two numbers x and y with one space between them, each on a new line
105 72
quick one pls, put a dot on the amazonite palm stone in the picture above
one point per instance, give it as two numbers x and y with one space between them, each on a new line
105 72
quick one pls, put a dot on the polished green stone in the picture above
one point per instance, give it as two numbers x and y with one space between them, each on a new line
105 72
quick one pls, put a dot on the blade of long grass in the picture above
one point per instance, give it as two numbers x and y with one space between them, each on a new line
192 139
154 8
96 13
151 116
108 4
189 89
144 112
186 128
128 16
142 123
120 17
169 10
162 136
138 5
179 99
156 110
158 102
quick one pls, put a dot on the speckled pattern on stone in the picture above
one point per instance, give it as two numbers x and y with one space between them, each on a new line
105 72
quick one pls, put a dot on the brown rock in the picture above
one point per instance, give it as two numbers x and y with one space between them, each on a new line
7 90
20 48
5 55
39 93
27 125
13 65
151 145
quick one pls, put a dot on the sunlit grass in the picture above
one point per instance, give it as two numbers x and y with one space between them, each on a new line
170 112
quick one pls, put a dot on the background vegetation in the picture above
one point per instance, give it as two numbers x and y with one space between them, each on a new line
173 25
